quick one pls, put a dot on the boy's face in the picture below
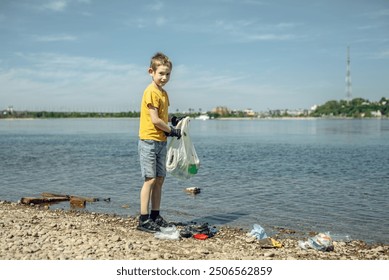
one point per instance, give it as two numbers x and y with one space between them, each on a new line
161 75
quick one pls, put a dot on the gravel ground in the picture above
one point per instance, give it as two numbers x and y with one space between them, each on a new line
38 233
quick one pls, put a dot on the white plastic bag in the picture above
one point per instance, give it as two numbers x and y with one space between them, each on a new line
168 233
182 161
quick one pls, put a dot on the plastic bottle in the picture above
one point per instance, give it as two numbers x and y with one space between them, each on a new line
192 169
341 237
313 242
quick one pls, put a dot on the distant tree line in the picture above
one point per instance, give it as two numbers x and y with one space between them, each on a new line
355 108
58 115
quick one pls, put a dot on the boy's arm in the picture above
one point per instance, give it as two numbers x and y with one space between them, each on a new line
155 119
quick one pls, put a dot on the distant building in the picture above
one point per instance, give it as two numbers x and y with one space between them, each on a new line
249 113
222 111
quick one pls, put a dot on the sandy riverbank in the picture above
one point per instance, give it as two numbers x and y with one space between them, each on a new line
36 233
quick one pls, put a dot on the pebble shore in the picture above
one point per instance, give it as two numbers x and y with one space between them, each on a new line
39 233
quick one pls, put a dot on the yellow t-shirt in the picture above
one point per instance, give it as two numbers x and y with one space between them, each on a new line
158 99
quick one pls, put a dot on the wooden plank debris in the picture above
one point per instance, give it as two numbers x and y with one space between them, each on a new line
42 200
45 194
75 201
88 199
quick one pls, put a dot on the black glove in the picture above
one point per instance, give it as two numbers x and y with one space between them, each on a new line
174 132
175 120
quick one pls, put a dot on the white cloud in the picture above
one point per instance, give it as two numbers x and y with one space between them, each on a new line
268 37
51 80
48 80
136 23
144 23
55 38
379 13
156 6
61 5
382 55
160 21
57 6
246 31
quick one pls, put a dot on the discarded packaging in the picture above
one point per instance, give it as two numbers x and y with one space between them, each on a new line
193 190
320 242
168 233
200 236
258 232
341 238
269 242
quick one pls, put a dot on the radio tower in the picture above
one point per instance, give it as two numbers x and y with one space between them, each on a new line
348 77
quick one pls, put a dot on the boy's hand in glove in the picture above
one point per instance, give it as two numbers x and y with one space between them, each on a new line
174 132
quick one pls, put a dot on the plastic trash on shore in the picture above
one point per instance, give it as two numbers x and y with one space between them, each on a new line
341 238
258 232
204 229
168 233
200 236
320 242
269 242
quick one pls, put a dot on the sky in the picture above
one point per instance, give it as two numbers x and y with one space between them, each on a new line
93 55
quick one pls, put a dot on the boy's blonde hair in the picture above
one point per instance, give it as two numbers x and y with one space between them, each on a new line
160 59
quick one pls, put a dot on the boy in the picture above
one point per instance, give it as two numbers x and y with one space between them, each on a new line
152 148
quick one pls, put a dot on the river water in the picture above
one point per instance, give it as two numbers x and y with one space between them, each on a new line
307 175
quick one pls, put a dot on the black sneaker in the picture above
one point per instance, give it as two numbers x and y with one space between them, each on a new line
149 226
186 233
162 222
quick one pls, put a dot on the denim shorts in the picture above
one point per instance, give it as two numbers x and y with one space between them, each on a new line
152 155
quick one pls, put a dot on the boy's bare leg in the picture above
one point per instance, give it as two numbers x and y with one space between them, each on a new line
156 193
146 194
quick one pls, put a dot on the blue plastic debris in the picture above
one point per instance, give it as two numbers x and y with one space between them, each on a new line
258 232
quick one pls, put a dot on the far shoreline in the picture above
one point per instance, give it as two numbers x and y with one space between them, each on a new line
212 119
